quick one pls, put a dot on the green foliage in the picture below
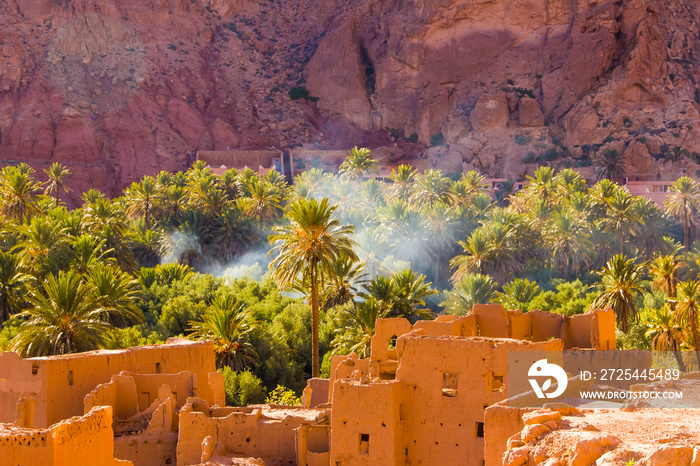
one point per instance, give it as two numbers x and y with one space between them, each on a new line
568 298
522 139
242 388
281 395
636 338
300 92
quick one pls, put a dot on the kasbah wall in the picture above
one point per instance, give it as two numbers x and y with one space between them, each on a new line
419 399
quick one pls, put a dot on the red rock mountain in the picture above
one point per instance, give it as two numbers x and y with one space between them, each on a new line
117 89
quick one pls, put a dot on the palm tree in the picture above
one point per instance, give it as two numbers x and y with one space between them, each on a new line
357 164
683 201
56 183
305 250
18 193
88 251
665 333
441 226
232 234
14 282
141 198
542 186
402 179
478 254
623 216
664 271
409 291
469 185
430 188
611 165
473 288
226 322
64 317
354 332
688 312
566 236
117 293
518 293
622 281
342 286
263 201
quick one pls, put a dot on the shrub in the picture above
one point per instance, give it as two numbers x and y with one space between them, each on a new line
283 396
412 138
242 388
522 139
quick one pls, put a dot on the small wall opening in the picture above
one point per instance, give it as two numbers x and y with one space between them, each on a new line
157 368
480 429
35 369
364 444
70 377
449 384
497 383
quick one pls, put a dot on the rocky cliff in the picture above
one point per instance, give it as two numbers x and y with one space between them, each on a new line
117 89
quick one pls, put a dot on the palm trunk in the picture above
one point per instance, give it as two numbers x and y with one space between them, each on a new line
315 365
437 267
686 232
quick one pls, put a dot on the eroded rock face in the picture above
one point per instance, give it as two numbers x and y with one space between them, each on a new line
120 90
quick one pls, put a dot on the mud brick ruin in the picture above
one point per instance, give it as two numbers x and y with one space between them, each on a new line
420 397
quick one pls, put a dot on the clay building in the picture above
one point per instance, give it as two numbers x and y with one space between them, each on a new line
421 395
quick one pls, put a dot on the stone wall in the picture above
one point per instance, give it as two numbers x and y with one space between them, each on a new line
84 440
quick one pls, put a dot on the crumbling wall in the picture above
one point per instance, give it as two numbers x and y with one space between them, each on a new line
156 445
120 393
313 444
83 440
383 359
491 320
316 392
347 367
459 326
266 432
71 377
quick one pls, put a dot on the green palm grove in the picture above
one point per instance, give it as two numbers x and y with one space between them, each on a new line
171 257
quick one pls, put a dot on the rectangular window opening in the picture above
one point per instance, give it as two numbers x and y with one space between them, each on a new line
35 369
449 384
496 383
70 377
364 444
480 429
157 368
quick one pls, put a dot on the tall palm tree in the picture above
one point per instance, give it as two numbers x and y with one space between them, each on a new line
622 281
227 323
356 328
623 216
518 293
683 201
14 282
141 199
611 165
305 250
473 288
18 190
542 186
64 317
56 183
566 236
358 163
441 227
